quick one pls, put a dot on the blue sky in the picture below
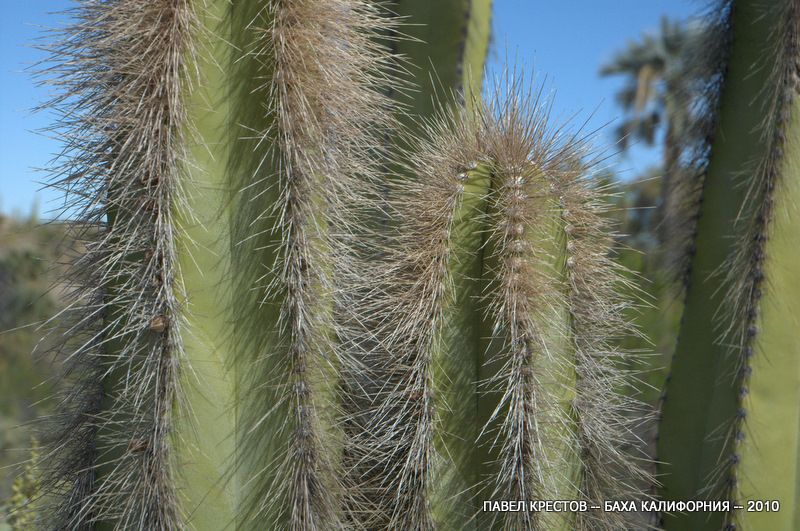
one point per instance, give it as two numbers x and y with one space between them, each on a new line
564 41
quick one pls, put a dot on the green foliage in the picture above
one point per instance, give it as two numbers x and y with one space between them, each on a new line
29 295
25 490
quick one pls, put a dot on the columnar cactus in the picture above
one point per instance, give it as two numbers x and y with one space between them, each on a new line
218 155
730 427
248 349
500 377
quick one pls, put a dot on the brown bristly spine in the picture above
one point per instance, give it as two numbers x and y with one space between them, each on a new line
120 70
569 423
605 417
744 272
419 284
324 99
518 308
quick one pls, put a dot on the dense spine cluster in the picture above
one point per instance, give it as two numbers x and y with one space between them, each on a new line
606 416
500 381
134 71
414 312
556 316
120 73
524 312
322 93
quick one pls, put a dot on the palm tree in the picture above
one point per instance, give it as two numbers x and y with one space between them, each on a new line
659 95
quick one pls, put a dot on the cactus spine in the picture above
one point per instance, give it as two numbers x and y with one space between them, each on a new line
314 153
121 68
219 157
500 376
736 367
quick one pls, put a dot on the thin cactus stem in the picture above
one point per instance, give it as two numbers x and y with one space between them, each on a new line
439 48
423 311
715 444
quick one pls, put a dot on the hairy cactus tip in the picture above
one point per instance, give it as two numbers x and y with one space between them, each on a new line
498 326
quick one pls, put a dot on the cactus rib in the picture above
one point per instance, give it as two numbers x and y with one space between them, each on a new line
729 298
301 204
120 67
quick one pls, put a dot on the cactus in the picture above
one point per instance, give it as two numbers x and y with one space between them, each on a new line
444 45
729 428
247 350
177 341
217 155
496 329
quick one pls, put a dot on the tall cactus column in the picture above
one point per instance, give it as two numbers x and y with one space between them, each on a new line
729 429
213 144
770 461
123 72
500 379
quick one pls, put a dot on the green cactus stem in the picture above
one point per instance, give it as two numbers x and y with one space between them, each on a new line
444 47
729 427
500 372
209 146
